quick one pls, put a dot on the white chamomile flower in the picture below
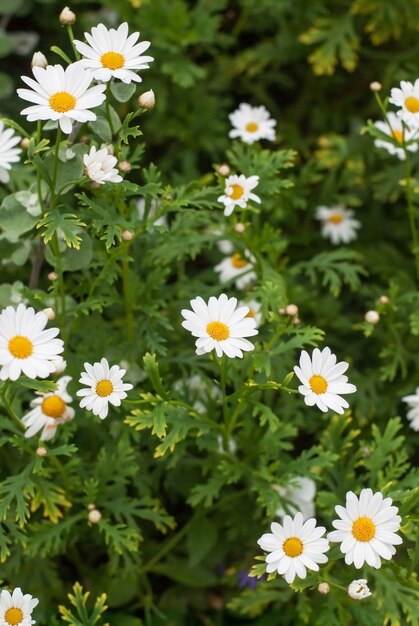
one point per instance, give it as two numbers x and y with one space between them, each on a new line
338 224
113 54
238 192
294 546
24 344
236 267
252 123
104 385
100 166
323 381
16 608
300 494
366 528
358 589
49 410
61 94
254 310
8 153
413 413
220 326
407 98
394 129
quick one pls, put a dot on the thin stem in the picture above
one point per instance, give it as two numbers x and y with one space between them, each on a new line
71 37
8 405
411 213
55 170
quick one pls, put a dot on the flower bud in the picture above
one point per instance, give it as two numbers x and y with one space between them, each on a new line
95 185
240 228
372 317
39 60
59 363
94 516
358 589
91 506
323 588
224 170
127 235
124 166
50 313
24 144
109 148
147 100
282 311
67 17
41 451
52 276
384 299
376 86
85 139
296 320
291 309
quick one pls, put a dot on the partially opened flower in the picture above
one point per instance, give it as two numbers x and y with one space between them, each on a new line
338 224
400 133
220 326
252 123
61 94
113 54
8 153
359 590
412 402
100 166
323 381
49 410
300 493
25 347
366 528
407 98
294 546
16 608
238 267
104 386
238 192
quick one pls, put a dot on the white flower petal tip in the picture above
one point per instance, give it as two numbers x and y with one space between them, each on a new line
252 124
8 152
100 166
237 267
337 224
238 192
103 386
49 410
412 402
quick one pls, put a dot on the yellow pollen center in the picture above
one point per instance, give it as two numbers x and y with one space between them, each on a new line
412 104
20 347
292 546
335 218
104 388
237 192
318 384
13 616
62 101
363 529
252 127
250 314
112 60
218 331
238 261
53 406
398 135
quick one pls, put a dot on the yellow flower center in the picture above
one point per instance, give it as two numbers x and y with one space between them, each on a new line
112 60
293 546
13 616
318 384
104 388
412 104
238 261
237 192
53 406
251 313
363 529
335 218
252 127
398 135
218 331
62 101
20 347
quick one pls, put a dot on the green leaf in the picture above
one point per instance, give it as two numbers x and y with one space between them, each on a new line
68 224
121 91
43 386
152 369
201 538
14 218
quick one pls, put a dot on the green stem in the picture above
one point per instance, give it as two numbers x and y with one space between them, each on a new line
55 170
71 37
8 405
108 108
411 213
126 286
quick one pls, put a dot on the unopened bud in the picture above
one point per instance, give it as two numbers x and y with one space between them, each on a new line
94 516
376 86
282 311
147 100
41 451
52 276
85 139
224 169
323 588
124 166
59 363
296 320
108 147
67 17
358 589
291 309
127 235
39 60
91 507
372 317
24 144
384 299
50 313
240 228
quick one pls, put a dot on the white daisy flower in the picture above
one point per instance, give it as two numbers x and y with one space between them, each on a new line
238 192
112 54
100 166
220 326
61 94
394 129
236 267
358 589
254 310
294 547
8 153
16 608
323 381
49 410
366 528
252 123
413 413
104 385
24 344
338 224
407 98
300 493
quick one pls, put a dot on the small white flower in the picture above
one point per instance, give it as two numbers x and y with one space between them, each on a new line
16 608
238 192
61 94
220 326
366 528
236 267
8 153
100 166
24 344
112 54
323 381
338 224
413 413
49 411
254 310
104 386
358 589
300 493
252 123
294 547
394 129
407 98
